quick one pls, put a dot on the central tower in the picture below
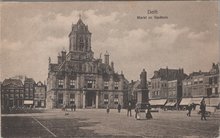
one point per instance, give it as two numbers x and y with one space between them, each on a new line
80 37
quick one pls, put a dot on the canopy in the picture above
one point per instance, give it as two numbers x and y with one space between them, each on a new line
196 100
158 102
185 101
212 101
170 104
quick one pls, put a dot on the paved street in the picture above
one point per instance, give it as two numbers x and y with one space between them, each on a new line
97 123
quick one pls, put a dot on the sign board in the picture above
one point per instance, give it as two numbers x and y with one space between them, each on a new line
28 101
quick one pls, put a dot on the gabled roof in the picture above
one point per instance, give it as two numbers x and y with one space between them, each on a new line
80 22
15 82
169 74
31 80
199 73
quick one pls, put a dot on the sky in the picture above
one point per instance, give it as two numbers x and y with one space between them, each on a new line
33 32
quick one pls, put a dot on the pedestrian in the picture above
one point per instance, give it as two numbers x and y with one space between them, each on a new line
119 108
65 109
193 106
148 114
136 111
129 109
203 109
71 107
74 106
189 108
107 109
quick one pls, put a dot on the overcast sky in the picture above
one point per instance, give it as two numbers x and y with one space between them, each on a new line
32 32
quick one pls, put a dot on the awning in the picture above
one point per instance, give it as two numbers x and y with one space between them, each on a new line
196 100
185 101
170 104
158 102
212 101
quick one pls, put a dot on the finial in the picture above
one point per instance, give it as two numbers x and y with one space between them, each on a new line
64 50
80 16
49 60
106 53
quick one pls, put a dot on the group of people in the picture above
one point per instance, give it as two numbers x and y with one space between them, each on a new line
118 107
202 109
72 106
129 109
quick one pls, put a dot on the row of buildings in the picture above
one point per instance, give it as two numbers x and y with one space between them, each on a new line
79 78
18 93
173 88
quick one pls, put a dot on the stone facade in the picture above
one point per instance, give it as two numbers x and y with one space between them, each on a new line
202 84
40 95
194 85
16 94
12 93
78 78
29 88
167 84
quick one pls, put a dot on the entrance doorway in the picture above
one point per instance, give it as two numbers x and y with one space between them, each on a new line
90 99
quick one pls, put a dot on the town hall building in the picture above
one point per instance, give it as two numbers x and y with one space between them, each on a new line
78 78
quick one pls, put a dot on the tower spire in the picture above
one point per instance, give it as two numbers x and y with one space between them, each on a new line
80 16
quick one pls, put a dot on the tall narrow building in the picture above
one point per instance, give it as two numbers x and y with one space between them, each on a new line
78 78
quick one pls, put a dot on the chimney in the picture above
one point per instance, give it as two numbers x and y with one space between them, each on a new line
179 71
112 65
213 65
63 55
106 58
59 58
121 72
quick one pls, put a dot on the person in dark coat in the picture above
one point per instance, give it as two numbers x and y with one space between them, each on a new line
189 110
129 109
203 109
136 111
107 109
119 108
148 114
74 107
71 107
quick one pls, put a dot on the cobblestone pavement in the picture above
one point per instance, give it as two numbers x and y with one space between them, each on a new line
97 123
